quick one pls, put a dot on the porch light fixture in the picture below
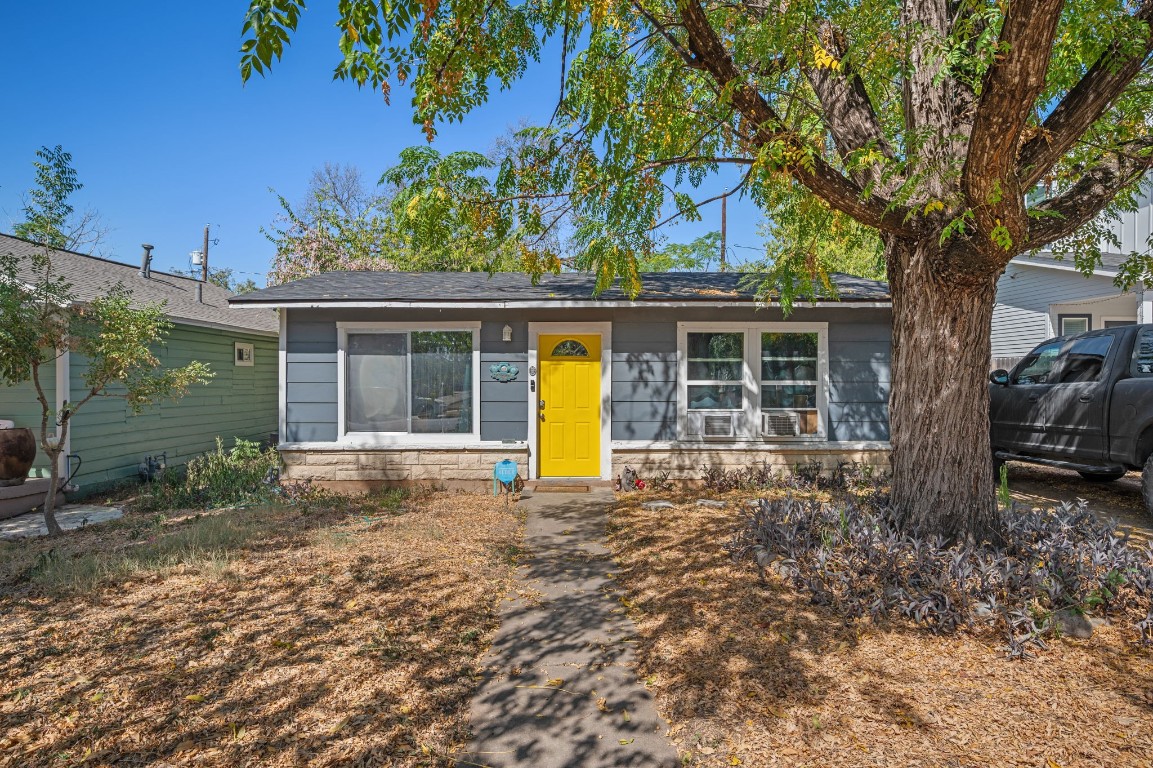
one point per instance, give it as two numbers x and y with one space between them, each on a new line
506 334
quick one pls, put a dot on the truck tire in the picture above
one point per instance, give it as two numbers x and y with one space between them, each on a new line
1147 485
1102 477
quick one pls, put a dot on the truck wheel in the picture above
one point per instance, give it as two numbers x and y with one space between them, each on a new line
1102 477
1147 485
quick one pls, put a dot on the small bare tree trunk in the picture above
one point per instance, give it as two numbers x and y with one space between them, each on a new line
939 408
50 523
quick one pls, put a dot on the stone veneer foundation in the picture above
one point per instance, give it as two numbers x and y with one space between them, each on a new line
367 469
684 463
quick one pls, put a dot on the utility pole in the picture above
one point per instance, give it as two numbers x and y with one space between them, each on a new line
724 227
204 266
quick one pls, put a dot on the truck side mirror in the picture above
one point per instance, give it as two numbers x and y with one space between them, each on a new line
1000 376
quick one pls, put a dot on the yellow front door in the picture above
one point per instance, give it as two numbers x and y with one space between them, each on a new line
570 405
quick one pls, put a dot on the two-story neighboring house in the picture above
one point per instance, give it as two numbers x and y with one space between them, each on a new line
1040 296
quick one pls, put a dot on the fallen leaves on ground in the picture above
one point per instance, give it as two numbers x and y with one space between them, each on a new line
751 671
333 637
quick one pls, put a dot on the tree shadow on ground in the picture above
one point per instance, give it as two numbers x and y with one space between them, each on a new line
330 639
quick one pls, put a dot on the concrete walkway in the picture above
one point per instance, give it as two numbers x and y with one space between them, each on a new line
559 688
69 516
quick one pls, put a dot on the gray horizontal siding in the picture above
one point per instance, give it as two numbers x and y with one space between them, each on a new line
503 405
644 367
644 376
310 376
860 369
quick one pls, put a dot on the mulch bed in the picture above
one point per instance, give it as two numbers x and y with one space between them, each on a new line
751 673
339 636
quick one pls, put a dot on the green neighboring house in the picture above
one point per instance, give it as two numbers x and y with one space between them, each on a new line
111 443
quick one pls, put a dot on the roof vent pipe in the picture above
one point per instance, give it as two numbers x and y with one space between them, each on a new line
146 261
200 293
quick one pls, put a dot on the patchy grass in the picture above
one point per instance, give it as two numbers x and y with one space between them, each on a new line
348 634
752 673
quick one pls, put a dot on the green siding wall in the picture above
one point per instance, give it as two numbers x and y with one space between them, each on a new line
19 404
240 401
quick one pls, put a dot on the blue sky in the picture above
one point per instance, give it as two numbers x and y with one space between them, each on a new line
147 97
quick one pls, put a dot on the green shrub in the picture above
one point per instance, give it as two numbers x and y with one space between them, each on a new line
245 474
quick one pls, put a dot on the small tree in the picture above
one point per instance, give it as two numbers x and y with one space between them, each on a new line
41 318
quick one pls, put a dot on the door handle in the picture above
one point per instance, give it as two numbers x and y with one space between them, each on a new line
1034 398
542 415
1086 398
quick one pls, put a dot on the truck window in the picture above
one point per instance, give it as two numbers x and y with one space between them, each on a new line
1143 353
1083 359
1037 365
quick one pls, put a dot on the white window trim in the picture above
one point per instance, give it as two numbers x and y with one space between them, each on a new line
752 375
370 439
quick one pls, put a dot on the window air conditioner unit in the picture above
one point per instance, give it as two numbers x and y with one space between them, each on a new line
780 424
712 426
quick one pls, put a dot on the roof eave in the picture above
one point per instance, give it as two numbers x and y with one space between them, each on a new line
551 304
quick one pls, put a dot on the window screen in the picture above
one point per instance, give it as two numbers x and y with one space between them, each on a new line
789 378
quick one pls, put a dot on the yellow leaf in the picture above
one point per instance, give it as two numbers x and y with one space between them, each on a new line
556 682
934 205
350 605
195 698
353 33
1051 763
734 760
626 742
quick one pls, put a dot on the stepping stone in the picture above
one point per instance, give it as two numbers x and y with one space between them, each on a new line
712 503
658 505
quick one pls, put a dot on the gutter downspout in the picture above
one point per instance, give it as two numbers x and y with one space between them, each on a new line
62 395
1144 303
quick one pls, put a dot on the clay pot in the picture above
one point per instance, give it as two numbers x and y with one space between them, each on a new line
17 452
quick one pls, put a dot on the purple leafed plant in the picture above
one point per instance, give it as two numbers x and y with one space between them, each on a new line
851 557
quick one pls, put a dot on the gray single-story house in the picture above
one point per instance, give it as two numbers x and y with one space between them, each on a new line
106 441
392 377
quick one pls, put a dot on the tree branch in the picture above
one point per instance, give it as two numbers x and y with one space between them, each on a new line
1077 206
1010 89
811 169
1085 103
849 113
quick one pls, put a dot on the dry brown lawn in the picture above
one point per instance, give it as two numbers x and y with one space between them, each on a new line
750 673
344 636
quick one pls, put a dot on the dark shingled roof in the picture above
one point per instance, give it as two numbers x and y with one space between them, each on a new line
480 287
1110 262
91 276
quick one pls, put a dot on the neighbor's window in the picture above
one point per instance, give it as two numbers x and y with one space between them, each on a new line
716 369
1071 325
789 381
417 382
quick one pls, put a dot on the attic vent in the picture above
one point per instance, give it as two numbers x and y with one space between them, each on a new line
780 424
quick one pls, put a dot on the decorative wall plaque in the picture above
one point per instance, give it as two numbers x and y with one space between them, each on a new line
503 372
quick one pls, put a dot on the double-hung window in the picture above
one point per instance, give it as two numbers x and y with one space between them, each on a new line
416 382
753 381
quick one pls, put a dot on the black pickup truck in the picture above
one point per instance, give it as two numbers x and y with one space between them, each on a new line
1080 402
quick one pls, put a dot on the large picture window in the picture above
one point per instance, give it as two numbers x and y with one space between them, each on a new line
768 381
409 382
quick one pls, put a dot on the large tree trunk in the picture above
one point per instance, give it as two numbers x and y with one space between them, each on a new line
939 409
